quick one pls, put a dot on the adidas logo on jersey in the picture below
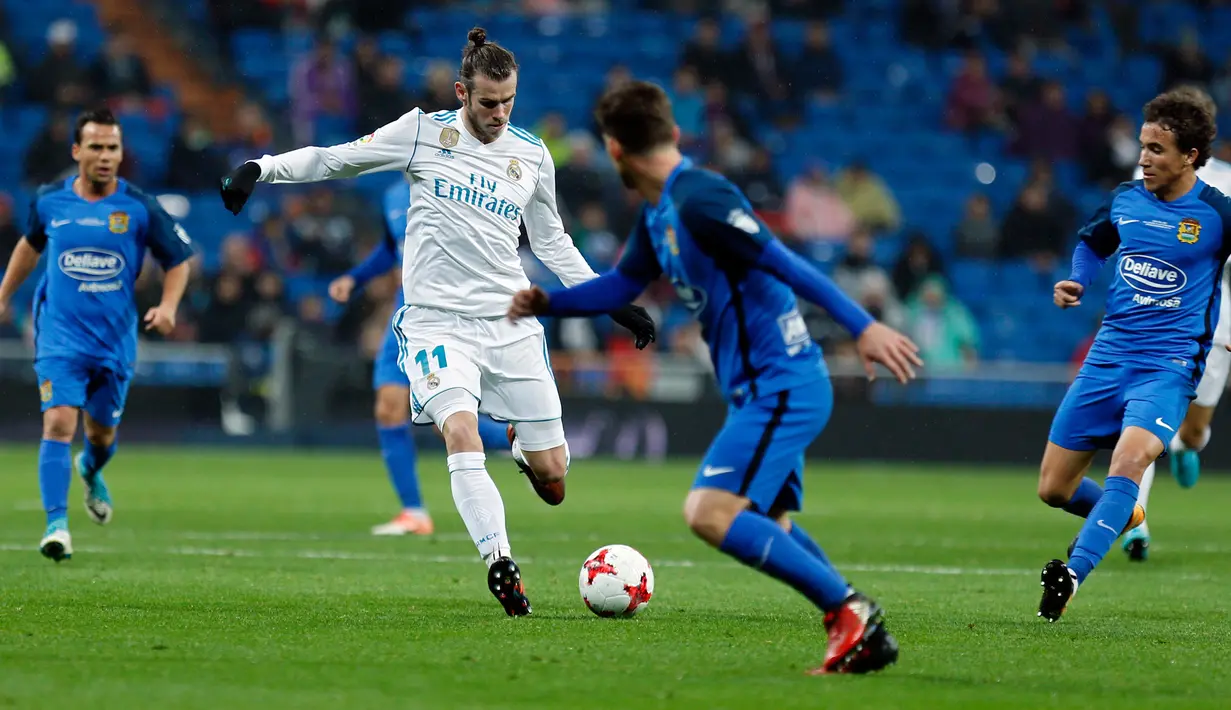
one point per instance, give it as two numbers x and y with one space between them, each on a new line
445 153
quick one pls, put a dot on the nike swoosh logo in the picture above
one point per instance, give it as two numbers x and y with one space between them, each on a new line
1105 526
1126 221
1163 424
60 222
715 471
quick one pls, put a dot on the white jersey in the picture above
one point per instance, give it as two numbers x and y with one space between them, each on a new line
467 201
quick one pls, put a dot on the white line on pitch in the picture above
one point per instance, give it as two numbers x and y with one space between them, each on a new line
473 559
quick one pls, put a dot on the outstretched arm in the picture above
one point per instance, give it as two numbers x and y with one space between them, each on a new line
726 229
391 147
723 225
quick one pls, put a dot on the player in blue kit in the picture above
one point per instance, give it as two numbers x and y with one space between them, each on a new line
699 231
95 229
1142 370
397 446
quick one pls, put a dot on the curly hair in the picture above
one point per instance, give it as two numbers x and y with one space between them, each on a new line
1189 115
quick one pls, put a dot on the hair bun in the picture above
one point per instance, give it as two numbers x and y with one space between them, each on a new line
477 36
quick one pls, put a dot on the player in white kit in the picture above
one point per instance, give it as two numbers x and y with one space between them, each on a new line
474 179
1194 431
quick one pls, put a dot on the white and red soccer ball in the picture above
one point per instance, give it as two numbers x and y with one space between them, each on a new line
616 581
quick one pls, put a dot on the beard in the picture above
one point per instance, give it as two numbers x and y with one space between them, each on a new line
484 131
626 176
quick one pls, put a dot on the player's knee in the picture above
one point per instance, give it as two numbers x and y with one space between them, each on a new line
1130 463
548 466
100 436
60 424
1195 431
392 407
461 433
1054 496
708 517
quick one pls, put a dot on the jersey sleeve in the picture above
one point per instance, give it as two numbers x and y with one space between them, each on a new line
548 240
724 227
391 147
639 262
164 237
1221 204
36 230
1099 232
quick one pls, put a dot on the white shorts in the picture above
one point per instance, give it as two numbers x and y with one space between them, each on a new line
459 364
1218 364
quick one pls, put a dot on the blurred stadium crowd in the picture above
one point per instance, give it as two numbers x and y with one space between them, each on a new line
934 156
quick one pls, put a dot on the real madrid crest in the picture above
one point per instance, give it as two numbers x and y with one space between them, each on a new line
449 137
118 223
514 171
1189 231
432 381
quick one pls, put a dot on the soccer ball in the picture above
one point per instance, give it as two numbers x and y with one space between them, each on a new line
616 581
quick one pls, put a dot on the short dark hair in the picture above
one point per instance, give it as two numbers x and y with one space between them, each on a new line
637 114
480 57
101 116
1189 116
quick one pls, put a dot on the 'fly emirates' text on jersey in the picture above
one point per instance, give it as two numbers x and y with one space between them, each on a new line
467 202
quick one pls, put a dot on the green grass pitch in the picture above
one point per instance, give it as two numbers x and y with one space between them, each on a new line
245 579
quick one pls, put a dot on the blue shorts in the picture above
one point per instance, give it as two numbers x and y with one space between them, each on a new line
759 453
98 389
1104 399
387 371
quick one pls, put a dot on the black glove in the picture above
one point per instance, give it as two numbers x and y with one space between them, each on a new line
237 186
638 320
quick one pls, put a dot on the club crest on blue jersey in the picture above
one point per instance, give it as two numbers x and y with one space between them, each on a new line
44 391
672 244
1189 231
118 222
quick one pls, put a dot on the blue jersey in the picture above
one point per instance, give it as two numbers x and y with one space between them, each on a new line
1163 303
84 307
396 202
705 238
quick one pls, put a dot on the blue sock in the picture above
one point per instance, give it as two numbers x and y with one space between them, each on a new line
398 449
55 472
96 457
1084 500
493 433
762 544
1103 525
801 537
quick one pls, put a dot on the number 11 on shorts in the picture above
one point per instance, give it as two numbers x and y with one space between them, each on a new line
438 352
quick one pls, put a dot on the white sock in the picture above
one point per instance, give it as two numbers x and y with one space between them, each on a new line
1147 482
479 503
1143 496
